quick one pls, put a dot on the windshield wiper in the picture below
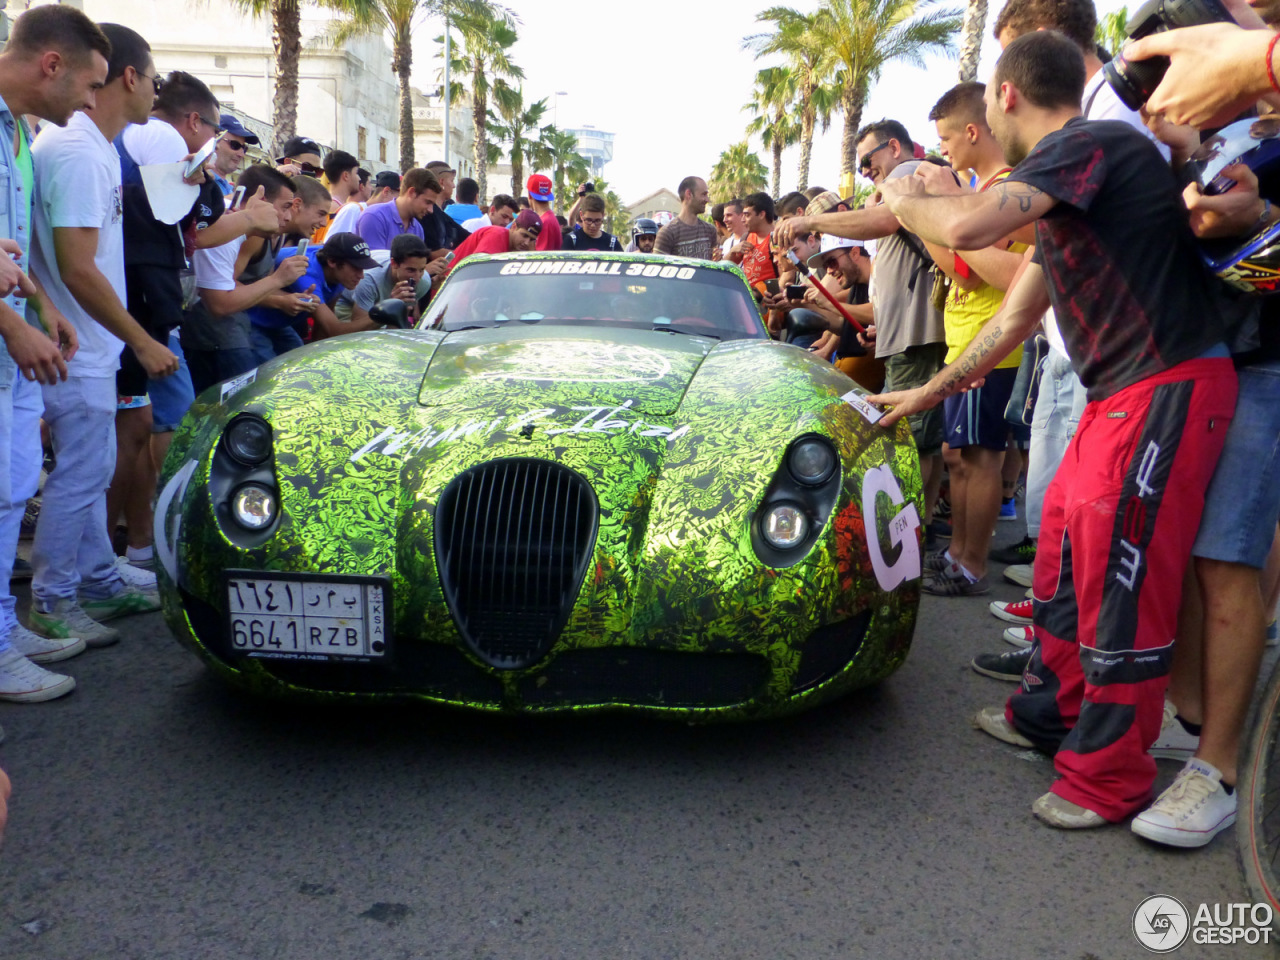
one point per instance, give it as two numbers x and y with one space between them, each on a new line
668 328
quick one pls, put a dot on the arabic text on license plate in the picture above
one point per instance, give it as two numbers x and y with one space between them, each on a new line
307 619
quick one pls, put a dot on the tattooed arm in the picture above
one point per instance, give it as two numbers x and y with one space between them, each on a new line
1024 305
967 221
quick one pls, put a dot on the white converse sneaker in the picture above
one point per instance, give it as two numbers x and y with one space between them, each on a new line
1193 811
134 575
1019 573
1174 743
40 649
22 681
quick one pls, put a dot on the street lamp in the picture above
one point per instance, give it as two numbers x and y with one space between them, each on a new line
555 107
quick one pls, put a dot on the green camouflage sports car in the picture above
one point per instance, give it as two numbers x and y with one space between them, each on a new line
582 482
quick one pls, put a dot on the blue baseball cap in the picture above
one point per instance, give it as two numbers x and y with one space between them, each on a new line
231 125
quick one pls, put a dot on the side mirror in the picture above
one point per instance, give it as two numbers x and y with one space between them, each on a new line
390 313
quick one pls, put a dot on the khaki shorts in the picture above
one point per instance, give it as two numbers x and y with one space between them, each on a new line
914 367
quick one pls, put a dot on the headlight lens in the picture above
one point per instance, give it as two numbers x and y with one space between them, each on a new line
812 461
253 506
785 526
248 440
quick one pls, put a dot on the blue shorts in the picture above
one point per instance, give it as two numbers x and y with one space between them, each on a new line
171 396
1242 505
976 418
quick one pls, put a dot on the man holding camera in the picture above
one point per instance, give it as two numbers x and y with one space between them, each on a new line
590 233
1144 332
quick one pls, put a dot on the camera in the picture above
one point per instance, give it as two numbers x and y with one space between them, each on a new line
1135 82
586 188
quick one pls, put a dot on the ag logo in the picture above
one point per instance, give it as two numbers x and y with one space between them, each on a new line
1161 923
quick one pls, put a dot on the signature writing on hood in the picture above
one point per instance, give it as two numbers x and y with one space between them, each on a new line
592 420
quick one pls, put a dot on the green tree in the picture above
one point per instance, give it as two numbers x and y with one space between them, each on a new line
399 19
772 101
517 125
865 35
617 218
286 39
975 21
488 34
568 166
1111 32
737 173
812 68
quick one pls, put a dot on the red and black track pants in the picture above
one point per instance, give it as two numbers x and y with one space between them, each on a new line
1119 520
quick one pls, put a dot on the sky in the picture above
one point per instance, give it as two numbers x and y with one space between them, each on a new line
669 78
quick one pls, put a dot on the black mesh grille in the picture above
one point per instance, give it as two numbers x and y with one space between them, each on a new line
513 538
829 649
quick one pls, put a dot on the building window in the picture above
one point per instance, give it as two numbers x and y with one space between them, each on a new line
362 141
382 149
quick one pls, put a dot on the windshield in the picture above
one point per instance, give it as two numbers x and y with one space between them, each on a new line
580 291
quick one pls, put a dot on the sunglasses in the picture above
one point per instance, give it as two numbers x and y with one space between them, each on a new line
309 169
156 82
214 125
865 163
235 145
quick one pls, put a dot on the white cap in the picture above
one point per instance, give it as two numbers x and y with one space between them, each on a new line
831 242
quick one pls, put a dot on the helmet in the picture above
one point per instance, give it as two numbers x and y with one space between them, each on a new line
644 227
1252 264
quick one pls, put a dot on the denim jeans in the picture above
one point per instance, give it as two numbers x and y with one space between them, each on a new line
270 342
171 396
72 548
1058 408
21 404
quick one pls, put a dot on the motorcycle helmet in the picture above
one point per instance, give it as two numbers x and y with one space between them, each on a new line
644 227
1251 265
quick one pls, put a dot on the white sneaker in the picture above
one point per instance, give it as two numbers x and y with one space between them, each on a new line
1193 811
40 649
66 619
1019 573
1174 743
1019 636
22 681
134 575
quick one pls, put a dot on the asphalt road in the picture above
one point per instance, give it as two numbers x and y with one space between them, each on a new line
158 815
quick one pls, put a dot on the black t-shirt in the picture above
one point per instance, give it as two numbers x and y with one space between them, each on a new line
577 239
440 231
1130 291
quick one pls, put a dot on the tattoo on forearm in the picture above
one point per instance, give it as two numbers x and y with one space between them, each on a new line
960 373
1022 193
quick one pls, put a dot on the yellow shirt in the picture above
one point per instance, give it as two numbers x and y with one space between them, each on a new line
967 311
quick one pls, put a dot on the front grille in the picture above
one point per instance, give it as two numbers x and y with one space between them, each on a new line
829 649
645 677
513 539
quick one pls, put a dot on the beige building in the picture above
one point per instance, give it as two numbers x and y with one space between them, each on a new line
661 205
347 97
428 134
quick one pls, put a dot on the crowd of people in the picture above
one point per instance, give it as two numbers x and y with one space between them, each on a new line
1032 300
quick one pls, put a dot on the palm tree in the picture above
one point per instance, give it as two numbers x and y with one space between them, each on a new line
737 173
485 54
772 101
567 164
617 218
514 123
1110 32
975 21
864 35
286 38
399 18
811 66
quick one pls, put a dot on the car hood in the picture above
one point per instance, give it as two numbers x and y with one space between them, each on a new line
570 366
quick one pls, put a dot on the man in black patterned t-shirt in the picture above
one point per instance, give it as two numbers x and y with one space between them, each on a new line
1115 253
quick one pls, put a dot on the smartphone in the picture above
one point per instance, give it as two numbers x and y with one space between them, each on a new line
773 287
795 291
302 247
197 161
237 198
448 257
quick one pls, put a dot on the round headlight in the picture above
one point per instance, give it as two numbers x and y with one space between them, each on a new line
248 440
811 461
253 506
785 526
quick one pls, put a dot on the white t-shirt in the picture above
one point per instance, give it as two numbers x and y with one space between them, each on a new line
154 142
346 218
477 223
78 171
215 267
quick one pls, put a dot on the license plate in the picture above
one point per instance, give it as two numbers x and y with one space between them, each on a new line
299 617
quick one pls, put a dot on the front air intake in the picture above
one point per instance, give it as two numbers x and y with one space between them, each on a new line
513 540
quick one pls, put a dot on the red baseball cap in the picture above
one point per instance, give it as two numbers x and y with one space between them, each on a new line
539 188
